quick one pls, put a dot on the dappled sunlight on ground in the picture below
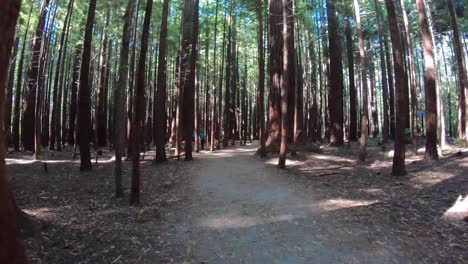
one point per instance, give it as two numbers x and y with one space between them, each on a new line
289 162
44 213
231 222
459 209
340 203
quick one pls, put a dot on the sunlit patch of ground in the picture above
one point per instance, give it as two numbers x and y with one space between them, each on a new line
339 203
459 210
232 222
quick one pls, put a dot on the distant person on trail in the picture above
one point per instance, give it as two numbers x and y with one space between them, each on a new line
202 139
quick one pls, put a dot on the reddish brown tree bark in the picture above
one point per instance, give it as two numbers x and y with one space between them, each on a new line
335 96
462 76
284 84
365 98
275 71
261 80
429 85
139 107
119 142
160 114
11 248
401 93
84 98
352 86
32 82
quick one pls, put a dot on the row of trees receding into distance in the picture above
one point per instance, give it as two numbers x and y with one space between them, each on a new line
286 73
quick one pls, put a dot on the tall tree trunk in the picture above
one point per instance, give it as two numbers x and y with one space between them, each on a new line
352 86
55 98
261 80
131 81
119 92
440 94
391 86
72 117
275 71
412 76
213 128
11 248
32 82
9 93
19 86
84 99
189 87
429 85
139 107
100 116
462 75
401 94
284 84
373 96
365 98
160 114
383 70
335 96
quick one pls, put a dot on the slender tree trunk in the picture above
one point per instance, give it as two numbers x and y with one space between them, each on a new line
365 99
131 81
449 105
391 86
412 76
373 96
284 84
72 118
9 93
139 107
84 99
401 93
429 84
55 98
32 83
383 70
261 81
100 116
11 248
119 92
19 87
462 75
352 86
160 114
213 97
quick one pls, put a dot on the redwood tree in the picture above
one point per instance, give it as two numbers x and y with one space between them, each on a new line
401 92
365 98
261 80
119 98
84 99
139 107
284 84
462 75
429 85
335 96
11 248
275 70
160 114
32 82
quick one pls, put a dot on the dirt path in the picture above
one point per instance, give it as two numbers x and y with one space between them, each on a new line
244 210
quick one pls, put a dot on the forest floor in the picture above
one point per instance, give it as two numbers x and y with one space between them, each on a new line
231 206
